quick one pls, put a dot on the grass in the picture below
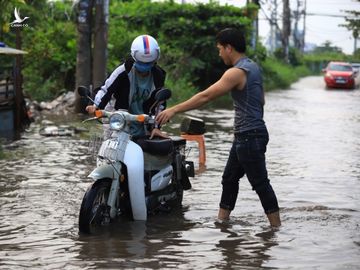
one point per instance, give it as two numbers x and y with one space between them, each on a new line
278 75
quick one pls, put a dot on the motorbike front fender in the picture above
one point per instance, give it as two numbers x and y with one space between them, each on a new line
103 171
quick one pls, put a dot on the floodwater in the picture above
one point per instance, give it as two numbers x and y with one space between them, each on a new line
313 163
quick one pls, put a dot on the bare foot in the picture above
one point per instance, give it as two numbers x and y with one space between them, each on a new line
224 214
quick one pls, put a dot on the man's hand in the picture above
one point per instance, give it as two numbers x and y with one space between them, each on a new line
91 109
157 133
165 116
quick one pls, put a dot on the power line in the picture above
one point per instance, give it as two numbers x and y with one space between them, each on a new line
326 15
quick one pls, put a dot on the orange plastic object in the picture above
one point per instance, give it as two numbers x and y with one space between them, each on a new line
140 118
98 113
201 143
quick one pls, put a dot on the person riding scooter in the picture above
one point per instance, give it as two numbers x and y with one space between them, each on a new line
134 83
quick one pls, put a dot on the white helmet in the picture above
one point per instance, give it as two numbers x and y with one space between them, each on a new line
145 49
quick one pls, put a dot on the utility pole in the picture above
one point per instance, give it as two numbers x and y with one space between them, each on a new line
273 27
19 98
83 59
91 64
304 28
100 42
255 31
296 30
356 36
286 29
299 40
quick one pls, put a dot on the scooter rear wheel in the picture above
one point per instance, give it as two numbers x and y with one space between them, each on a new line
94 211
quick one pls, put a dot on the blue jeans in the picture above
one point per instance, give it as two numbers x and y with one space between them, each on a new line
247 156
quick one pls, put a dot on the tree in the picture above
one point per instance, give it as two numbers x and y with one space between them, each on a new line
100 42
91 64
327 47
83 59
353 24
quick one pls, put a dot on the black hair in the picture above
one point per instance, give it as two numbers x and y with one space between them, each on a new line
233 37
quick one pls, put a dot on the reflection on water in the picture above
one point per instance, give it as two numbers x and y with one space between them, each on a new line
313 162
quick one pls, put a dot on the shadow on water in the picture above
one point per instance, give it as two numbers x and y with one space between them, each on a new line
171 241
132 244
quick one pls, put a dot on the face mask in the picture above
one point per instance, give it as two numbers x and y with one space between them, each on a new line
143 67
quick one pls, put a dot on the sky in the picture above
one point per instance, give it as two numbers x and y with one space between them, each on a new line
321 24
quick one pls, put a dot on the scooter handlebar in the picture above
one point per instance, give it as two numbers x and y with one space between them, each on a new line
141 118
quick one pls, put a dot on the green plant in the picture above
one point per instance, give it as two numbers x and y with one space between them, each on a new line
49 67
295 57
277 74
316 61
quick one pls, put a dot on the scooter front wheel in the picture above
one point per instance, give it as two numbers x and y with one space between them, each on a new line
94 211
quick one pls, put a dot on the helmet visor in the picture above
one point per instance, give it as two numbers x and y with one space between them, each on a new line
143 67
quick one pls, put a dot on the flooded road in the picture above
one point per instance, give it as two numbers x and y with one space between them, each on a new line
314 166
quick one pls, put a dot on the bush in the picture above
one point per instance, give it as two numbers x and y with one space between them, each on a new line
280 75
316 61
295 57
50 40
49 68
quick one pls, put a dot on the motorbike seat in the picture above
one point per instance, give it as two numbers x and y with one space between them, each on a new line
156 146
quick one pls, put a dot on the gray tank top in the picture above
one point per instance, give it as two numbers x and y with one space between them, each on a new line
249 102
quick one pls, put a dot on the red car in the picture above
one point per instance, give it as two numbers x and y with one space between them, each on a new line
340 75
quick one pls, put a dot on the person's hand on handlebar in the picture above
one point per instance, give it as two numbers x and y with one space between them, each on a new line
91 109
164 116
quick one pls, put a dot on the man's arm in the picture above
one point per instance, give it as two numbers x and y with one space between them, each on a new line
233 78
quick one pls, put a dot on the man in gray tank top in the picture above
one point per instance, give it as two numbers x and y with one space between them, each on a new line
247 154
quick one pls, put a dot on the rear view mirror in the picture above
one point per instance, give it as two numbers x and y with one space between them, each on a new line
83 91
162 95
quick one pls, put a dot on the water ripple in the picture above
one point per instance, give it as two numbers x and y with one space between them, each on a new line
313 164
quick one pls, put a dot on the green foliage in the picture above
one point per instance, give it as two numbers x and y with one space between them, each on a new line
6 13
280 75
316 61
327 47
353 22
181 88
186 34
357 55
295 57
49 67
119 42
258 54
50 40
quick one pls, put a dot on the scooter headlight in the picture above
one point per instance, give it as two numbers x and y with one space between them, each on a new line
116 121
